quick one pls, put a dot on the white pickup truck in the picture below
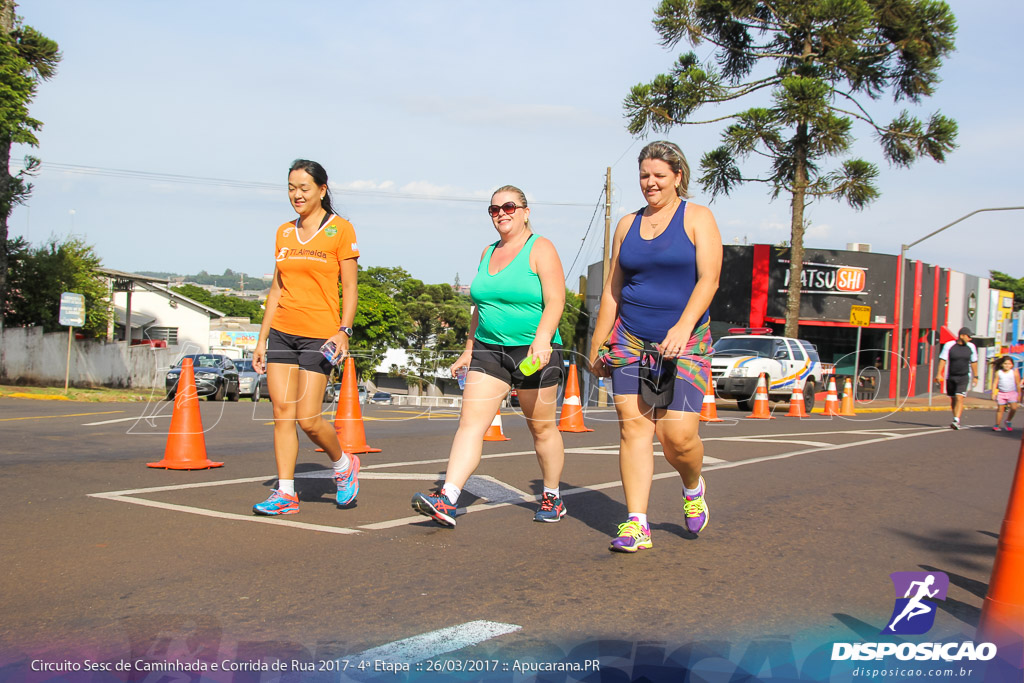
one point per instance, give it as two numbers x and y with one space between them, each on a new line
740 358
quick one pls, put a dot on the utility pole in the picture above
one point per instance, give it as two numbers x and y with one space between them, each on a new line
607 225
602 392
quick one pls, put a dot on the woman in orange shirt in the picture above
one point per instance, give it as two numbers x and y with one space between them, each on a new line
314 252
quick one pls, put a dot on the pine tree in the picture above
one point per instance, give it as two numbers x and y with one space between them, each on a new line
823 62
26 57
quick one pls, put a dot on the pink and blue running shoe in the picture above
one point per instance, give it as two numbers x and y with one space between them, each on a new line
278 504
348 482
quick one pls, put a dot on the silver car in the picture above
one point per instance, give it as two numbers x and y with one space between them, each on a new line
248 379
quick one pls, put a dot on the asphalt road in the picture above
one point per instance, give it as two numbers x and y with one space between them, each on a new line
107 559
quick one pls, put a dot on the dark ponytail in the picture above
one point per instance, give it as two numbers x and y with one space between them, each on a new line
319 176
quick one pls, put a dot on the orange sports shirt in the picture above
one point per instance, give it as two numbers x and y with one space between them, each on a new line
309 272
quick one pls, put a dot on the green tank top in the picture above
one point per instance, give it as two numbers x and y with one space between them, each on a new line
510 303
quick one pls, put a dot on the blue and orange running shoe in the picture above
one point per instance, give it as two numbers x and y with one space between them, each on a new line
437 506
633 536
278 504
348 482
696 510
552 509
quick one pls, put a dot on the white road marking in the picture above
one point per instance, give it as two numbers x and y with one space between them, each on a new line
279 521
436 643
797 442
123 419
505 494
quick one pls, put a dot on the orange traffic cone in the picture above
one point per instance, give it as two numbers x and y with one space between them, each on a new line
831 400
1002 614
494 432
708 409
186 445
348 418
797 407
846 406
572 408
761 411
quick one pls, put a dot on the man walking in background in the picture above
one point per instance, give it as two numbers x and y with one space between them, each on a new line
962 358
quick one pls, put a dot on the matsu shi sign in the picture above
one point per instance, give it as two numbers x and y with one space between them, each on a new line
828 278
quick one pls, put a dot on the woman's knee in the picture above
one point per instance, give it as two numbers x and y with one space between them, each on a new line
309 424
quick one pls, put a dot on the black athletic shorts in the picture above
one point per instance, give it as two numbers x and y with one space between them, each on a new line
956 385
291 349
503 362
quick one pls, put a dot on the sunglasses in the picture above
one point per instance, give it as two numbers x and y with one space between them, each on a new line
507 207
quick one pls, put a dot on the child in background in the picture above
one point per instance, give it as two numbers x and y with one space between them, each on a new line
1005 392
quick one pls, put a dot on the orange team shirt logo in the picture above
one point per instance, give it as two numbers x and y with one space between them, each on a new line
309 305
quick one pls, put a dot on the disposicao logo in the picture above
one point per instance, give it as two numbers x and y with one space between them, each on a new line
912 614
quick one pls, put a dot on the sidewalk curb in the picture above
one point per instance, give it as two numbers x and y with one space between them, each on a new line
907 409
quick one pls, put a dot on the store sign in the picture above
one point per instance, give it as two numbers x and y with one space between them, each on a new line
828 278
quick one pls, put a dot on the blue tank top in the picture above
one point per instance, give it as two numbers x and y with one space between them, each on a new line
658 277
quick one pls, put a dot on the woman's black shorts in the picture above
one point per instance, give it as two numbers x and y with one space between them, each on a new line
503 362
291 349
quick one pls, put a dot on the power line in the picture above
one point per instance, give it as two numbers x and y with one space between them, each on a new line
586 234
253 185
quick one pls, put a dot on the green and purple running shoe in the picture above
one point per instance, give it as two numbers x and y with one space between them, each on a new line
696 510
633 536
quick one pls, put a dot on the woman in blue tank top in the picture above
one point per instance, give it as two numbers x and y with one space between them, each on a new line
653 328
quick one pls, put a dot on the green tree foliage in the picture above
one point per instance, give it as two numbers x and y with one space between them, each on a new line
380 324
227 304
1008 283
26 57
38 276
821 62
440 324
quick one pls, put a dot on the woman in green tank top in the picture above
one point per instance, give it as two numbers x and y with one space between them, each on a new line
519 294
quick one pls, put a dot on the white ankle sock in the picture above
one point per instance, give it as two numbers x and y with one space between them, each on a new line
286 486
551 492
342 464
451 492
640 517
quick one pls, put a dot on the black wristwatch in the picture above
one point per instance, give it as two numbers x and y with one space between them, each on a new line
346 330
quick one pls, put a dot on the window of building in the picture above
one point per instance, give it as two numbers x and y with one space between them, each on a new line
168 334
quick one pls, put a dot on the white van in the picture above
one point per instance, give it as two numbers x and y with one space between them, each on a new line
232 352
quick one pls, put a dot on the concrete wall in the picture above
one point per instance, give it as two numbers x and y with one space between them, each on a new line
30 357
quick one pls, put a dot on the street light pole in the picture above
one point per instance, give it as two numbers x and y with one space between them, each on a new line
903 261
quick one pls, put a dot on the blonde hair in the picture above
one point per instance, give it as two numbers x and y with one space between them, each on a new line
522 199
669 152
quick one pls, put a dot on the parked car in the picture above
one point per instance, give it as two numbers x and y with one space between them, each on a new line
381 398
330 391
215 374
362 395
249 383
513 398
740 358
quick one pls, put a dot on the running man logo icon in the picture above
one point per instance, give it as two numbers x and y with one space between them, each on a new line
281 255
911 615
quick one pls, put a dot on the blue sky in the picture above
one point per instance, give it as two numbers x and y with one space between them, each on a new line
419 110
